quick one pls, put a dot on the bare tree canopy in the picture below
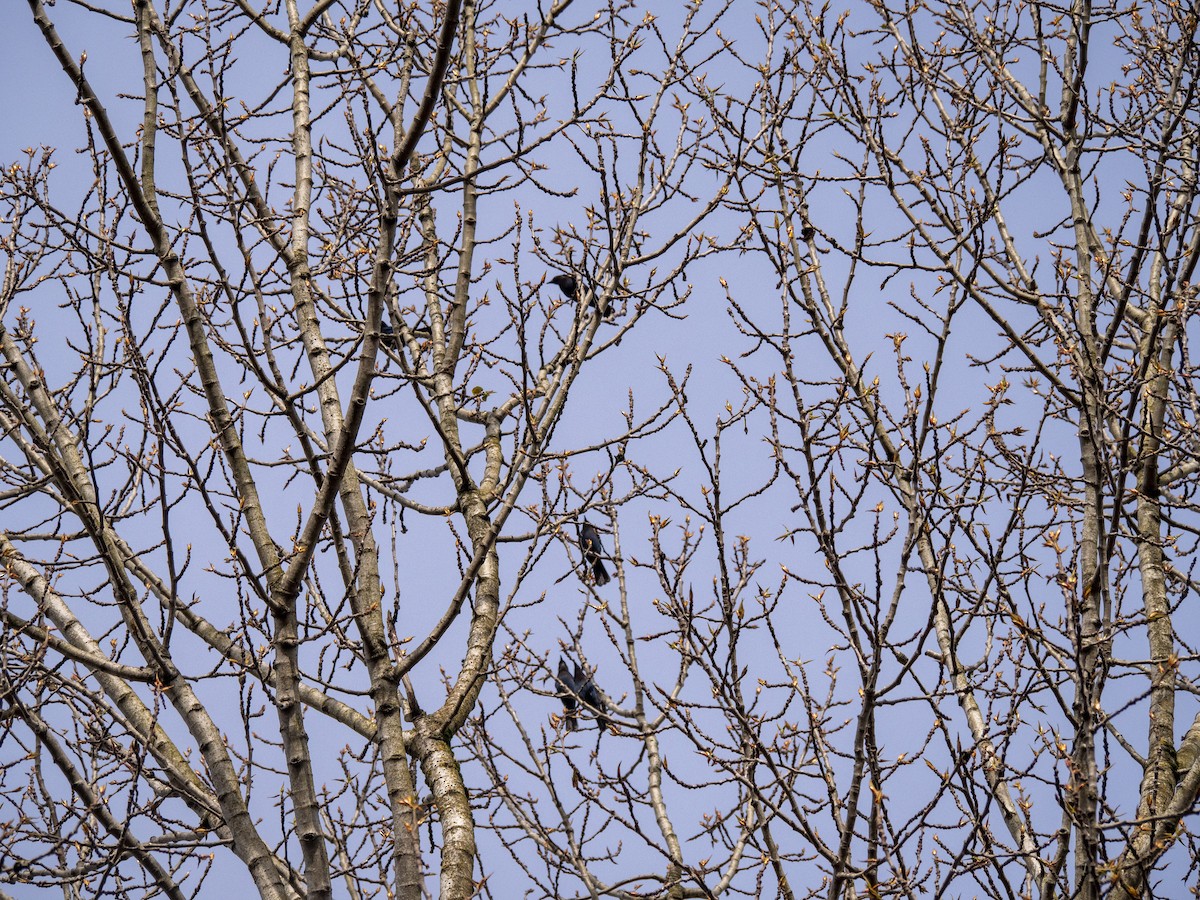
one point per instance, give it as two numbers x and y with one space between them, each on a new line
530 449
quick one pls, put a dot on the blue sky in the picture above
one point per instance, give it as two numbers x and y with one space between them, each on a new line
550 606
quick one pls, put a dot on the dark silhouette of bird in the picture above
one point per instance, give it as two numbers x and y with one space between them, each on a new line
568 692
593 552
569 285
387 336
566 284
590 695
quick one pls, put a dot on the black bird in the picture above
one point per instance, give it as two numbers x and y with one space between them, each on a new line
568 692
590 695
593 552
569 285
566 284
387 336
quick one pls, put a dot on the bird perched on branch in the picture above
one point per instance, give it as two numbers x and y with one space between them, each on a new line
591 697
569 285
568 692
593 552
387 336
